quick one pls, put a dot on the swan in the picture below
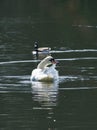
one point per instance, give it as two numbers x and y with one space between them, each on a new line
41 50
45 70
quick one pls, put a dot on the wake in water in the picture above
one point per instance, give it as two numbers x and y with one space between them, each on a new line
78 88
58 51
85 26
69 51
65 59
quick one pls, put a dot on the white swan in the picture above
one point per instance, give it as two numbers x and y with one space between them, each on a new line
45 70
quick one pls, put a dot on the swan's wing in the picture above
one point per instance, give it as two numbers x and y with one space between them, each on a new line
35 74
48 74
52 72
38 75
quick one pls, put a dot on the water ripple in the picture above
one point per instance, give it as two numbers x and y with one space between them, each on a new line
80 58
78 88
76 78
69 51
65 59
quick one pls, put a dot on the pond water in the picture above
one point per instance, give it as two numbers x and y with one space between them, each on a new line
70 29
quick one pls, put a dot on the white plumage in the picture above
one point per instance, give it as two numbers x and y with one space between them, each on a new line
45 70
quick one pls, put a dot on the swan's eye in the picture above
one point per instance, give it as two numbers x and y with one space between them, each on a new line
52 59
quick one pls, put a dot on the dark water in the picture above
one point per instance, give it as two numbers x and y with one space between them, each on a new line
69 27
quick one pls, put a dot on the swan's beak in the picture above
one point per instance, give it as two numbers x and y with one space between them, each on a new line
54 61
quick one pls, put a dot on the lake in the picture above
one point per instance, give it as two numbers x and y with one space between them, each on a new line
70 29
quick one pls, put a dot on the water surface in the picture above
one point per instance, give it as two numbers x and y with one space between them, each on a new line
70 29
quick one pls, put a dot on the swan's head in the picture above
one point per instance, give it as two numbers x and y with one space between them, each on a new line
48 61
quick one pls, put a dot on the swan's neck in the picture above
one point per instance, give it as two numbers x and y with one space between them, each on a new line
43 64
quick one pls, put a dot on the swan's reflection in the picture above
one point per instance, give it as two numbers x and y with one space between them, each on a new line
45 93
